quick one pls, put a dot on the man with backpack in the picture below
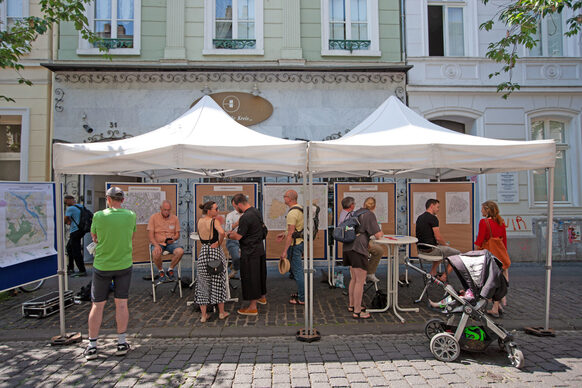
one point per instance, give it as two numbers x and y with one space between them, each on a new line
293 248
75 245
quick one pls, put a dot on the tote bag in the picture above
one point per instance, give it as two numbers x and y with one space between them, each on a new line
497 248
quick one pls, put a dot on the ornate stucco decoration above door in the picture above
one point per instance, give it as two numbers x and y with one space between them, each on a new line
246 108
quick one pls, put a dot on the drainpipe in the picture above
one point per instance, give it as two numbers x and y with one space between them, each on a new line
402 32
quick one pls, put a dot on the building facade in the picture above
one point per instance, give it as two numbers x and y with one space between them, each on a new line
25 135
322 65
450 85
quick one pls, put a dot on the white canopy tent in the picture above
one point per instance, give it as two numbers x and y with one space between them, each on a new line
396 142
204 142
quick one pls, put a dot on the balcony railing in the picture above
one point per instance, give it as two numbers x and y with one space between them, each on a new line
336 44
115 43
234 44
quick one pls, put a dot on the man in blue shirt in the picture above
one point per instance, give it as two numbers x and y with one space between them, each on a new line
75 244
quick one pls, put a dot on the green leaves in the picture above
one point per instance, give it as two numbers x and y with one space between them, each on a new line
522 18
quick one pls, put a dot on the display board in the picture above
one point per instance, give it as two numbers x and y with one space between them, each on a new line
385 195
145 199
456 214
222 194
275 212
27 233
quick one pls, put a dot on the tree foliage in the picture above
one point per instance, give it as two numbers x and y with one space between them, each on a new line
522 19
16 40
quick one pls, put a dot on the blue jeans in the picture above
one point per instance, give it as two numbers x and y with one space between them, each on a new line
233 247
295 256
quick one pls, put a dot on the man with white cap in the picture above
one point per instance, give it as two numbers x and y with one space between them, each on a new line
112 230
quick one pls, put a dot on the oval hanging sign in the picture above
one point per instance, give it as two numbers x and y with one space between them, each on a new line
245 108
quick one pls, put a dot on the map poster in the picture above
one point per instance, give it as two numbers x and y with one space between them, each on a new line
27 222
419 199
144 201
458 207
381 198
275 210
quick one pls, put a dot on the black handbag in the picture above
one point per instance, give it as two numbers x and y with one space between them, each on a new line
215 267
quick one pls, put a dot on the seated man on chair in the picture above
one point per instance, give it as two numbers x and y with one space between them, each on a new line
164 232
427 232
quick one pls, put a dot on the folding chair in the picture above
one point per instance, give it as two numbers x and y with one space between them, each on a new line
166 256
435 256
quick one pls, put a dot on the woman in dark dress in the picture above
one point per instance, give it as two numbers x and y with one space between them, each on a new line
210 289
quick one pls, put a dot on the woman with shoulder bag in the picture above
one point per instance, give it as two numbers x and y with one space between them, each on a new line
211 263
492 236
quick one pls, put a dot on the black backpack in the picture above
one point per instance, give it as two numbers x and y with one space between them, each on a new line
299 233
85 220
347 230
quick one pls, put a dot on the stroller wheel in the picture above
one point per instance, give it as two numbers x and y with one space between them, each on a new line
516 357
445 347
433 327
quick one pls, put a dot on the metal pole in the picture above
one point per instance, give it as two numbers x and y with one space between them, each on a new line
60 254
549 229
305 251
311 332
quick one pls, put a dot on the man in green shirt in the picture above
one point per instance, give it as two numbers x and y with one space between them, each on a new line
112 230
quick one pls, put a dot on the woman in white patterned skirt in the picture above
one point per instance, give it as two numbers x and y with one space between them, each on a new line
210 289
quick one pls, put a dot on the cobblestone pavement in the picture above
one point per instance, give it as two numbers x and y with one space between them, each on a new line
399 360
172 317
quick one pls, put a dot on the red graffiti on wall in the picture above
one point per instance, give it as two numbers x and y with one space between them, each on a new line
516 224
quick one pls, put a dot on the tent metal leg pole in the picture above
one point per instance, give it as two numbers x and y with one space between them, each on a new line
305 251
550 224
310 254
63 338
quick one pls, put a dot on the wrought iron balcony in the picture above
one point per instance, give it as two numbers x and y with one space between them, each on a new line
115 43
234 44
336 44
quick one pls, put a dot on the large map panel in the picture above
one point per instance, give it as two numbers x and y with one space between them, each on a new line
275 210
144 201
27 228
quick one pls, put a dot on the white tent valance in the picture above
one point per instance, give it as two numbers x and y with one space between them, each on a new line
204 141
395 141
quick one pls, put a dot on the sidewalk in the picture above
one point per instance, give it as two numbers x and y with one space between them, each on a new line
171 317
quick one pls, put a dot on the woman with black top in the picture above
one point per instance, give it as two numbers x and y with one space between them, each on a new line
210 289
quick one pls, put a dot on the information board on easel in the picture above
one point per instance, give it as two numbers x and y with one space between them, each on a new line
275 212
456 214
145 199
383 193
222 194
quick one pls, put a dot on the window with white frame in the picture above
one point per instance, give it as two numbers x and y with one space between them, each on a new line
552 128
550 37
117 23
350 27
446 29
11 11
233 27
13 144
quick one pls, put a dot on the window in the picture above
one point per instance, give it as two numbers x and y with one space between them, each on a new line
550 37
13 144
446 35
233 27
350 27
11 11
117 23
552 129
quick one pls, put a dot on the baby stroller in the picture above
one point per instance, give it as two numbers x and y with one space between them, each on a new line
480 274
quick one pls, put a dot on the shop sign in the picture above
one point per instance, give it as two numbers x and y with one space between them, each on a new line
245 108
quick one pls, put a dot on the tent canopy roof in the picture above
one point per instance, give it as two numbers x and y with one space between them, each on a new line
204 141
395 141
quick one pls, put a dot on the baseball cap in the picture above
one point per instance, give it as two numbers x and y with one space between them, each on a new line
114 192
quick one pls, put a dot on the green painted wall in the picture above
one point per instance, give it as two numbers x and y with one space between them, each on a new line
153 31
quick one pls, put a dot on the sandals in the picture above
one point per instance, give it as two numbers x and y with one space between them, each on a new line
351 308
223 316
494 315
295 300
361 315
204 318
